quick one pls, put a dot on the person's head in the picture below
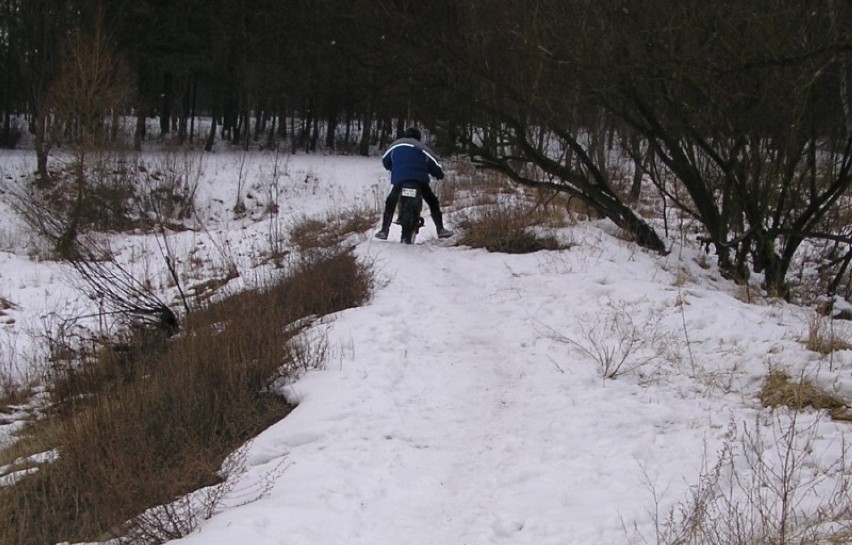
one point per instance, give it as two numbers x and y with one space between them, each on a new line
412 132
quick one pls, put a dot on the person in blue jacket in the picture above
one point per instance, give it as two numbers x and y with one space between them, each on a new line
409 160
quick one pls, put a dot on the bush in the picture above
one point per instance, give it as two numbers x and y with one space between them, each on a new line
111 191
508 229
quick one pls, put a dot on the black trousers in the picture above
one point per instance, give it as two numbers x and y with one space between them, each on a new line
428 196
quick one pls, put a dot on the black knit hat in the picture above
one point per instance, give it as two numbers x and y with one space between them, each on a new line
412 132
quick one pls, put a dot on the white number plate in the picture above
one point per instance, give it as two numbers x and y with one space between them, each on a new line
409 192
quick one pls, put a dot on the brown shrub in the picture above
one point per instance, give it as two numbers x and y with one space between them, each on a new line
150 426
507 229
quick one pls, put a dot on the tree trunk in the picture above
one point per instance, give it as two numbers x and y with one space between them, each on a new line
367 122
193 107
211 136
246 121
282 123
139 132
312 145
166 105
348 131
259 123
293 140
638 165
270 134
331 130
42 147
185 107
386 138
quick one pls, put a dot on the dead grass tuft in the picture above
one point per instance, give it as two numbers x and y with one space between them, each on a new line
780 390
822 337
313 234
508 229
467 186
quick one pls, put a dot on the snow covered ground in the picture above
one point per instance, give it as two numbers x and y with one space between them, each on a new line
466 403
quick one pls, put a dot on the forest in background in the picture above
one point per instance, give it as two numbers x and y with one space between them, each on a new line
261 69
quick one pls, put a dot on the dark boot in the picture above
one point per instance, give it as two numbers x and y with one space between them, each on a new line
387 217
439 226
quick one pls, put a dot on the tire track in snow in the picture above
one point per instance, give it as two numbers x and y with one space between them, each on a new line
475 469
444 419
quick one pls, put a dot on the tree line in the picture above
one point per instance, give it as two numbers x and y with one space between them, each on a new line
264 70
738 113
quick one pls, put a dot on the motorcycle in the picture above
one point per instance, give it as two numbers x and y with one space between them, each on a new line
410 206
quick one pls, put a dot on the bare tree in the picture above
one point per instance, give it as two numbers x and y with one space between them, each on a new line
92 84
34 30
739 105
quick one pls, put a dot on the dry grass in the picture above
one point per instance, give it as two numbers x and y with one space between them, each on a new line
496 214
466 186
763 490
318 234
822 337
171 412
682 277
508 229
780 390
16 388
619 339
12 392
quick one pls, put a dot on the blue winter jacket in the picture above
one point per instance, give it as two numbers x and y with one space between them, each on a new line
408 159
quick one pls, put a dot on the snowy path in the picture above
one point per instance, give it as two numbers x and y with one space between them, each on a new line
449 416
